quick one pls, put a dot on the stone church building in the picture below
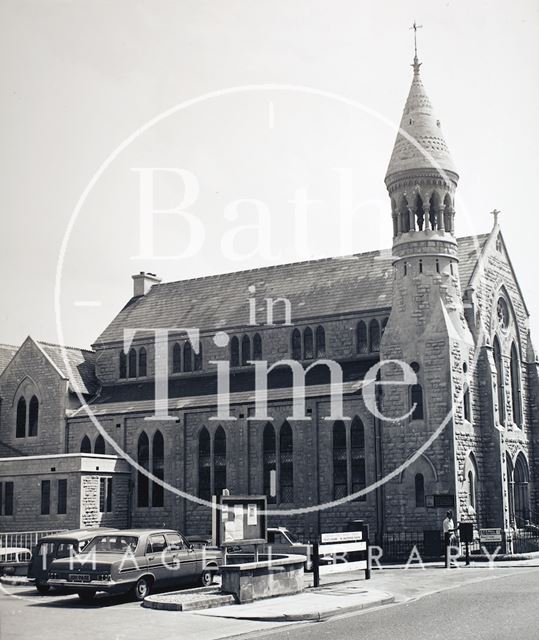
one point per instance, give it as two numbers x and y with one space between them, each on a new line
464 435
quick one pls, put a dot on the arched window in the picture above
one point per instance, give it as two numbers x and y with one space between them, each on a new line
374 336
86 445
187 356
521 491
204 464
158 468
142 362
219 461
286 466
33 416
361 335
99 445
357 456
143 458
269 462
20 431
245 349
471 489
320 341
123 365
234 352
296 344
198 358
257 347
176 358
499 380
416 402
448 213
515 386
419 490
132 360
340 461
308 351
510 488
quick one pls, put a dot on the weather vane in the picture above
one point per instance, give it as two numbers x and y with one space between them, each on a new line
415 27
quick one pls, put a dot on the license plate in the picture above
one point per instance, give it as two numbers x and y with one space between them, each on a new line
79 577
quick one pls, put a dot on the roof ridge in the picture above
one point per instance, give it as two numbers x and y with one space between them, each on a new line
11 346
63 346
275 266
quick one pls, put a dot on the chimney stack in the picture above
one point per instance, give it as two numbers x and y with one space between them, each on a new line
143 282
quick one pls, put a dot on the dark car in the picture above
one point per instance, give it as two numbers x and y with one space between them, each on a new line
136 560
54 546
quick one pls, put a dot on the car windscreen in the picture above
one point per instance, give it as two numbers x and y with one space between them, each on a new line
112 544
293 539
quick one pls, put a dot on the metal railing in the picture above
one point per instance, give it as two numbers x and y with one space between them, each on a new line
26 539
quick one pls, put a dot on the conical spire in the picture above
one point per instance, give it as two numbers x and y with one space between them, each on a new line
418 120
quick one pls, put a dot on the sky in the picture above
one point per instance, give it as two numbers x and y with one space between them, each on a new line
272 104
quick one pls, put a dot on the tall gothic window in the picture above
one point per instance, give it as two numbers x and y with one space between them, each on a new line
219 461
416 402
515 386
320 341
123 365
269 461
286 465
176 358
99 445
142 362
308 347
296 344
234 352
257 347
521 491
33 416
204 464
245 349
374 336
187 356
198 358
419 482
20 431
143 458
86 445
340 461
132 363
361 337
158 467
499 380
357 457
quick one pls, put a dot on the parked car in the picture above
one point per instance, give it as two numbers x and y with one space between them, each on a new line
14 561
136 560
54 546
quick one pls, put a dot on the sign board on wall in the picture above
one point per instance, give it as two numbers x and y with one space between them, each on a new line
242 520
490 535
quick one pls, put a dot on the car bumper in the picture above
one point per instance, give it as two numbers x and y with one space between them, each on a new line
109 586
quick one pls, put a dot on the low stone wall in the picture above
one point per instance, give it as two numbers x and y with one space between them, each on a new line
248 581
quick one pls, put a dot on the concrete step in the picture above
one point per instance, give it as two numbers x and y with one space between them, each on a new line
189 599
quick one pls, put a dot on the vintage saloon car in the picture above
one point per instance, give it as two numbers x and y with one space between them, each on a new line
136 560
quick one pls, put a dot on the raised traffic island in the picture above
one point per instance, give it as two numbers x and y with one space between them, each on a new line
248 580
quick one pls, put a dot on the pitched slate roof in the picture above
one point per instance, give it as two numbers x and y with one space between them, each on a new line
316 288
81 361
7 351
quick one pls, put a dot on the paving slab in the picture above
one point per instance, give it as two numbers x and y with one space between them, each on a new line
310 605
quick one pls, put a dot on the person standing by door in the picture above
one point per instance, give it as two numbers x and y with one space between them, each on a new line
448 528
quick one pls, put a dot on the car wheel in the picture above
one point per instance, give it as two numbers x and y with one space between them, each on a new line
86 596
206 578
142 589
43 589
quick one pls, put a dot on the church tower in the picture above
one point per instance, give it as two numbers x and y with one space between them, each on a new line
427 328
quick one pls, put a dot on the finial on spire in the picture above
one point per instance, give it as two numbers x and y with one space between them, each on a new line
416 63
495 213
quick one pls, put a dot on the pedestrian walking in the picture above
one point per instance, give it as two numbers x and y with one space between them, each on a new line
448 528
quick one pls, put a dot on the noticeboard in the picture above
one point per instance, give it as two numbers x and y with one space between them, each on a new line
242 520
490 535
